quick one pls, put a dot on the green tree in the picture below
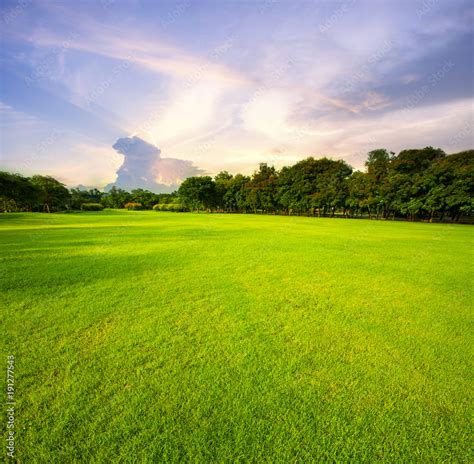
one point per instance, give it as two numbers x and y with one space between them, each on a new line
116 198
54 196
450 186
378 168
407 187
18 193
222 182
235 197
416 161
261 191
81 196
314 185
296 185
358 193
197 193
146 198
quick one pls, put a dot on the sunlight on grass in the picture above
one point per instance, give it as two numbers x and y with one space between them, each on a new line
224 338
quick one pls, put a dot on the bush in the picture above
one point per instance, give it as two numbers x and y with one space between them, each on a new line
132 206
91 207
177 208
174 207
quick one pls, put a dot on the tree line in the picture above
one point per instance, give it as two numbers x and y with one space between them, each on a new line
47 194
415 184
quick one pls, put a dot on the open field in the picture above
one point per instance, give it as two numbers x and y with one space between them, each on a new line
147 337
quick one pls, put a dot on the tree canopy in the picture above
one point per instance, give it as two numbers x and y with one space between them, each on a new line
415 184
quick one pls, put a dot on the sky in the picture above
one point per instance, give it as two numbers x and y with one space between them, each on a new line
229 84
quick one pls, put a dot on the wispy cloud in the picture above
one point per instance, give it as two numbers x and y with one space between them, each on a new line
229 85
155 55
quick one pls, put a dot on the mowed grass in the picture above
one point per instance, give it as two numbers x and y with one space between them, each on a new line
161 337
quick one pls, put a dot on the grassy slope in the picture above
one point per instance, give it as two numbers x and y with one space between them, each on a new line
161 336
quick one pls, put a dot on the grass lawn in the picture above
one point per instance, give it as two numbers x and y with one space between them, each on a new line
167 337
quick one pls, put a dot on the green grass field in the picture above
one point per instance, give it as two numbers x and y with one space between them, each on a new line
162 337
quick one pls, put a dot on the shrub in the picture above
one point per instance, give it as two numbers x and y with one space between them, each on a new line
91 207
174 207
132 206
161 207
177 208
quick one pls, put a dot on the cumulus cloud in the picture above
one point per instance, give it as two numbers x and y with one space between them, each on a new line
143 167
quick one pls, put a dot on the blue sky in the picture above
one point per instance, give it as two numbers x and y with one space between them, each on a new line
229 84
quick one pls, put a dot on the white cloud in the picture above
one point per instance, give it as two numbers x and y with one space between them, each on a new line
274 95
268 113
143 166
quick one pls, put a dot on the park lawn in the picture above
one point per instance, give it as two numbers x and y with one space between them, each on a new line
179 337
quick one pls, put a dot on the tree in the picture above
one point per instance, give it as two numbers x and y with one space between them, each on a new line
54 196
18 193
81 196
358 192
235 197
198 193
407 187
296 185
222 182
416 161
450 186
146 198
337 177
378 168
415 184
314 185
378 163
116 198
262 189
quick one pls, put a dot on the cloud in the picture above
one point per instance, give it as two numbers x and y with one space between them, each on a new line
188 113
144 168
228 90
152 55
